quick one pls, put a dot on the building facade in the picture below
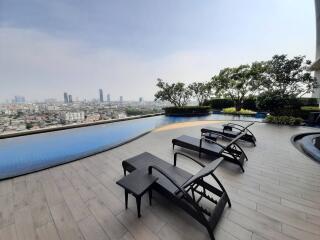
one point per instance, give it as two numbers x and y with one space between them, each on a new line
73 116
65 97
101 95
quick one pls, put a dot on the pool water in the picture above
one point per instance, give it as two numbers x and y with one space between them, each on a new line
25 154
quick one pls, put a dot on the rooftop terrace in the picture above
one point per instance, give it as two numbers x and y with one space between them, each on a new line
278 197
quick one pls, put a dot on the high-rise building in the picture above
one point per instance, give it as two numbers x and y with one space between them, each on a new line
19 99
121 99
70 98
65 96
140 99
108 98
101 95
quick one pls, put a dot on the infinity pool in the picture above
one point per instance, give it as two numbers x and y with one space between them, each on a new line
25 154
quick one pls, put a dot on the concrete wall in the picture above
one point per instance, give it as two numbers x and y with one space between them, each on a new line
316 92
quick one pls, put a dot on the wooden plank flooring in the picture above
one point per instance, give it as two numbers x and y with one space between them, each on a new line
278 197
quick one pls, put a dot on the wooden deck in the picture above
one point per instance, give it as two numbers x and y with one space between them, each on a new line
278 197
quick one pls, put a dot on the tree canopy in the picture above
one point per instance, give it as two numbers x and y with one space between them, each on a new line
288 77
175 93
239 82
273 80
202 91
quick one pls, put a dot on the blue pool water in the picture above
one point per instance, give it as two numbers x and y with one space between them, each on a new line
20 155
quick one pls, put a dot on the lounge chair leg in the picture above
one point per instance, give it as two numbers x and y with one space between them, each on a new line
126 198
222 188
211 234
241 167
172 146
150 197
138 200
124 172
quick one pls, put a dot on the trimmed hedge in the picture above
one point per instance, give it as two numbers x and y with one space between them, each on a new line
219 103
187 111
284 120
309 102
295 107
138 111
250 103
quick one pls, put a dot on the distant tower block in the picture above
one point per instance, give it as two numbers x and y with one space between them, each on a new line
108 98
101 95
121 99
70 98
19 99
140 100
65 96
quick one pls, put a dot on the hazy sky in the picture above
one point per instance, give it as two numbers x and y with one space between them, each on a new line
123 46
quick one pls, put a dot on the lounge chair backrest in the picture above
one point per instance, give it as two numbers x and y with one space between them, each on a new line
205 171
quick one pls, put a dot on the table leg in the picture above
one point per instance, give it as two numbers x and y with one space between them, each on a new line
150 196
138 199
126 198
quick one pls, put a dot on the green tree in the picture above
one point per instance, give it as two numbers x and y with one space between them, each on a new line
29 125
284 81
175 93
239 82
202 91
289 78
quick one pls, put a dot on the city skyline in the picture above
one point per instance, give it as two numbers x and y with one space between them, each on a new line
66 98
78 47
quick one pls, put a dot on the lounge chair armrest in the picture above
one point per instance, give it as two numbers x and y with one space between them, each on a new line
216 143
185 155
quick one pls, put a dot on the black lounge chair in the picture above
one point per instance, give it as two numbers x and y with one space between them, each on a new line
230 130
183 188
231 152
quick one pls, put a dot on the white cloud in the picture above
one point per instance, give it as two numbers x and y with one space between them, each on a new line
41 66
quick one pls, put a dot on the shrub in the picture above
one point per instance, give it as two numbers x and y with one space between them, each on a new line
232 110
309 101
219 103
310 108
273 102
187 110
250 103
284 120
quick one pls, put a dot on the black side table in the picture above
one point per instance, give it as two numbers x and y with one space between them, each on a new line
137 183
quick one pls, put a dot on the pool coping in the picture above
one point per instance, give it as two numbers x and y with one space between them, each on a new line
71 126
300 148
